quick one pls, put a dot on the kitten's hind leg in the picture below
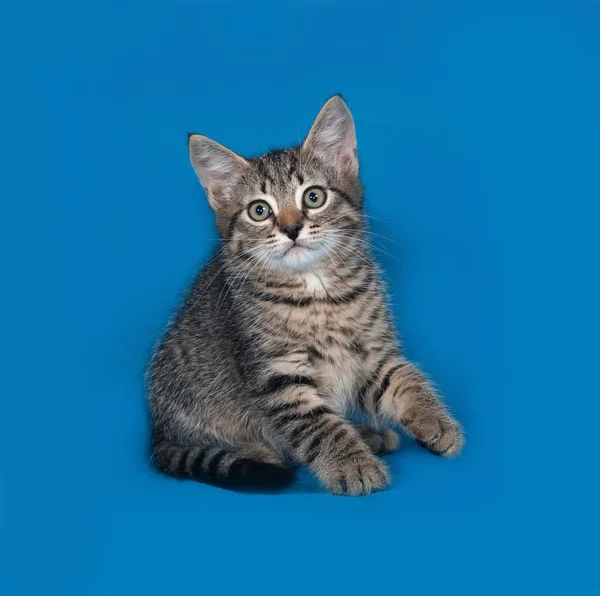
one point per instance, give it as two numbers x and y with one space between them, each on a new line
379 441
259 452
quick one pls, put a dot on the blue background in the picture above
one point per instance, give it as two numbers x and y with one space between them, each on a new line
479 132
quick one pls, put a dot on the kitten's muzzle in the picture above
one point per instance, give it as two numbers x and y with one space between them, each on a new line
292 231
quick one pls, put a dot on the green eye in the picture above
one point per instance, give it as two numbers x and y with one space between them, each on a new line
259 210
314 197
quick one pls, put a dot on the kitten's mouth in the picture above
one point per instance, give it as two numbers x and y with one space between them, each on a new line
298 256
296 248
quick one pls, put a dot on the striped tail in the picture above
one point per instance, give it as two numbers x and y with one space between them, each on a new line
219 466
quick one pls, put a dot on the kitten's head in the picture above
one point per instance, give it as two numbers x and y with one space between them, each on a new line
289 209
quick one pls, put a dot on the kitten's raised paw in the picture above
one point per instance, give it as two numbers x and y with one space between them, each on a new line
441 436
358 474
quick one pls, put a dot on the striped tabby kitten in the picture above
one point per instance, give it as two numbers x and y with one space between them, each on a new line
286 335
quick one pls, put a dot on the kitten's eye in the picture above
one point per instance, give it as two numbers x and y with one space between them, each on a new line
259 211
314 197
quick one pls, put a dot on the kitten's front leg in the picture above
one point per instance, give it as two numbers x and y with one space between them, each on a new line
320 438
399 391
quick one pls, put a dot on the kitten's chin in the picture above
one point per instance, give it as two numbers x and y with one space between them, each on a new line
299 258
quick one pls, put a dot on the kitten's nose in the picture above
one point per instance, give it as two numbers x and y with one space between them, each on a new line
292 231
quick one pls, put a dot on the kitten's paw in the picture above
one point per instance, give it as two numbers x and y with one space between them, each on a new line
372 438
358 474
391 440
442 436
382 442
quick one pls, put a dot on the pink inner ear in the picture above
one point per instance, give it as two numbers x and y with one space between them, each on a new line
348 158
215 191
348 152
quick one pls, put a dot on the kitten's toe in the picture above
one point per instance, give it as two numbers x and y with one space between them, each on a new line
382 442
357 475
446 440
374 440
390 441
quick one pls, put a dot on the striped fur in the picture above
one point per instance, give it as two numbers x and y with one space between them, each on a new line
221 465
284 340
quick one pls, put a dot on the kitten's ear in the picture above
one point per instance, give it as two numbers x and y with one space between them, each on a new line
332 136
217 167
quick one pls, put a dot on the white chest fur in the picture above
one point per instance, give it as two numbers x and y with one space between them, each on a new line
339 380
314 285
339 373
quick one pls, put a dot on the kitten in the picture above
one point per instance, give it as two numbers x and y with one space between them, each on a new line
286 333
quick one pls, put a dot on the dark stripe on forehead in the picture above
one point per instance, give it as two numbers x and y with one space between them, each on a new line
293 172
263 187
266 171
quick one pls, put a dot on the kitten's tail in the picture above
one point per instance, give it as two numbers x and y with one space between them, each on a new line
220 466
